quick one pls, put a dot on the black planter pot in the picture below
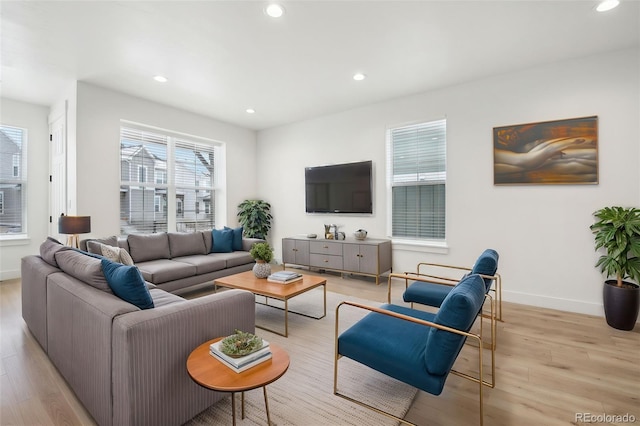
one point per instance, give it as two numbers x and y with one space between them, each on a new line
621 304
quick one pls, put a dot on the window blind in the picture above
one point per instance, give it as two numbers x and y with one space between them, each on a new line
195 181
417 161
143 200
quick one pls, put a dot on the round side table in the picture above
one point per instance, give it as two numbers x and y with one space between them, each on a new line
212 374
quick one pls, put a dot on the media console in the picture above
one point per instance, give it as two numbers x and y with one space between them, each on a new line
370 257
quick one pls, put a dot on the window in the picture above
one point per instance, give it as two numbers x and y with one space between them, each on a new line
416 164
183 176
13 180
16 165
142 174
161 176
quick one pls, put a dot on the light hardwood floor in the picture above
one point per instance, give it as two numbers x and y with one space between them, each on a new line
551 365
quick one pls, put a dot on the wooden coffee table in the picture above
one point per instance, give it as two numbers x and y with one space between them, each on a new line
283 292
210 373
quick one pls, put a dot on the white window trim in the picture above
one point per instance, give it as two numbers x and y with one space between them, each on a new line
20 238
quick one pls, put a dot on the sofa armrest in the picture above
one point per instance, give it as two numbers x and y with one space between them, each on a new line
247 243
150 380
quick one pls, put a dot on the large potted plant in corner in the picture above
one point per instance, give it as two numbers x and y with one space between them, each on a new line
263 254
617 230
255 218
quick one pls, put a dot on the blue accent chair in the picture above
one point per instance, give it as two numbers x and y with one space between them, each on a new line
429 287
416 347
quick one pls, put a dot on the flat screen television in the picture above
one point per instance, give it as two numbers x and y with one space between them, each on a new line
339 188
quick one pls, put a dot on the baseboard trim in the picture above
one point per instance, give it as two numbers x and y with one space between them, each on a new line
9 275
577 306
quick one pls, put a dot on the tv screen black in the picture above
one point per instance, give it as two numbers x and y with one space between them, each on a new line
339 188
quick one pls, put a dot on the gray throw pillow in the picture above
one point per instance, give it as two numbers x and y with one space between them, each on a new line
49 248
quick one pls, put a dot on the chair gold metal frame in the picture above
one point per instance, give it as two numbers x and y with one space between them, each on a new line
475 337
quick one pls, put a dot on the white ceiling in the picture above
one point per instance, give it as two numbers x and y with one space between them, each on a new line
222 57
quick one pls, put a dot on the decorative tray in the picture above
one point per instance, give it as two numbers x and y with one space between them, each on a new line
240 344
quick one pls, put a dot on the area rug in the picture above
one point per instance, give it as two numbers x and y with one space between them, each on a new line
304 395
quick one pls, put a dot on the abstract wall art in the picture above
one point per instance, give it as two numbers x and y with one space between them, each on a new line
549 152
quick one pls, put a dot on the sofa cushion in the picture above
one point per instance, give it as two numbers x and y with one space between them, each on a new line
205 263
235 258
127 283
237 238
144 247
458 310
84 267
49 248
162 270
222 240
93 244
186 243
163 298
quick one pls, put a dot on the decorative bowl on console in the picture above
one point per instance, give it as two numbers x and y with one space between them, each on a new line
360 234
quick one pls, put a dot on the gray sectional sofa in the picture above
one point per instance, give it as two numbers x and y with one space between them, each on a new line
126 365
177 261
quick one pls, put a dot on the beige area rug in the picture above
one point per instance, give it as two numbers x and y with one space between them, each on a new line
304 395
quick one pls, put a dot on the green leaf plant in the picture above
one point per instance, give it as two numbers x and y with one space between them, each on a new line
255 218
617 230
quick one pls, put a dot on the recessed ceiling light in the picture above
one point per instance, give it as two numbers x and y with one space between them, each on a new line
359 76
250 111
160 79
275 10
607 5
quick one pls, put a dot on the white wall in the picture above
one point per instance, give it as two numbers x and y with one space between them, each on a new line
99 112
541 232
34 119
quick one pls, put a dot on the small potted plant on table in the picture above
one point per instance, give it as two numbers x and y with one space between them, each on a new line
263 254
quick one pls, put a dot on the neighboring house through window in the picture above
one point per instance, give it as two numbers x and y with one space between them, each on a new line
416 178
13 180
184 173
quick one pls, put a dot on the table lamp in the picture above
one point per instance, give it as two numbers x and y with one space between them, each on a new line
72 226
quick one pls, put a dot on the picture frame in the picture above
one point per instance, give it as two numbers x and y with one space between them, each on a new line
558 152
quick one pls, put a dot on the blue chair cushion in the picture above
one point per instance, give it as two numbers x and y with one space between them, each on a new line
127 283
426 293
458 310
486 264
392 346
222 240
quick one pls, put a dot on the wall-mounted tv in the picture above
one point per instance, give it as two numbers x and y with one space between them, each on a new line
339 188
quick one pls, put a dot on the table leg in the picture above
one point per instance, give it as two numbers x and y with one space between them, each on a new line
242 405
286 317
266 405
233 407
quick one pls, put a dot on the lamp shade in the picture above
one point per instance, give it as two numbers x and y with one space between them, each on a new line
74 224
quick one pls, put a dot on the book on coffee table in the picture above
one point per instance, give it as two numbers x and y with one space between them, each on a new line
284 277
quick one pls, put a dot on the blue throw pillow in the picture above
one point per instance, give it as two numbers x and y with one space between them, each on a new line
237 238
127 283
222 241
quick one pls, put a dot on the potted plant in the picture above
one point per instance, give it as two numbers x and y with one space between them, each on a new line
263 254
255 218
617 230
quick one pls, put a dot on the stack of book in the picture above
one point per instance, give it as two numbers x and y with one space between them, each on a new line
284 277
242 363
